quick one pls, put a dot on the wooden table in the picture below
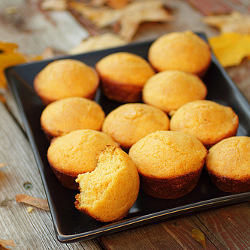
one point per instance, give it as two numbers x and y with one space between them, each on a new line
34 30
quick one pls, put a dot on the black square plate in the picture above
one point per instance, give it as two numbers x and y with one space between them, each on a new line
70 224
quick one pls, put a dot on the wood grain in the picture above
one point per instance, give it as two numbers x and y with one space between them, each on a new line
33 230
227 222
35 30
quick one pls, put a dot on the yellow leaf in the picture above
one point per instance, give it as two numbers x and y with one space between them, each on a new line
230 48
8 47
9 56
199 237
30 209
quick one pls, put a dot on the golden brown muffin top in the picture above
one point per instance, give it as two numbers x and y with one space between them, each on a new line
75 152
208 121
168 154
130 122
230 158
180 51
66 78
68 114
108 192
124 68
169 90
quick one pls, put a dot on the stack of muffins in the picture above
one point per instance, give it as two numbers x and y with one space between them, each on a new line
160 145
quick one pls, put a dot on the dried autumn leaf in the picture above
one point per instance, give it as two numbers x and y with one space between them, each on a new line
2 165
9 56
230 48
199 237
2 99
8 47
30 209
36 202
128 18
92 43
139 12
48 53
57 5
117 4
101 17
97 3
234 22
9 242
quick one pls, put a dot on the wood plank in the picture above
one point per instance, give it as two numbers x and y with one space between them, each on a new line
241 77
210 7
33 230
23 22
230 225
38 30
168 234
220 7
224 228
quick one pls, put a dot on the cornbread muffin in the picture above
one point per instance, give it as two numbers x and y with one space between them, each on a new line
108 192
208 121
228 164
130 122
184 51
123 75
72 113
169 90
66 78
169 163
75 153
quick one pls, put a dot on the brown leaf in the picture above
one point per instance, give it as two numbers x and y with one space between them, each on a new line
139 12
199 237
2 99
57 5
36 202
9 242
48 53
2 165
101 17
104 41
117 4
234 22
128 18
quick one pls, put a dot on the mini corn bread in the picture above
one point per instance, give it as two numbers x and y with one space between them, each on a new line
228 164
169 163
108 192
184 51
123 75
66 78
75 153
